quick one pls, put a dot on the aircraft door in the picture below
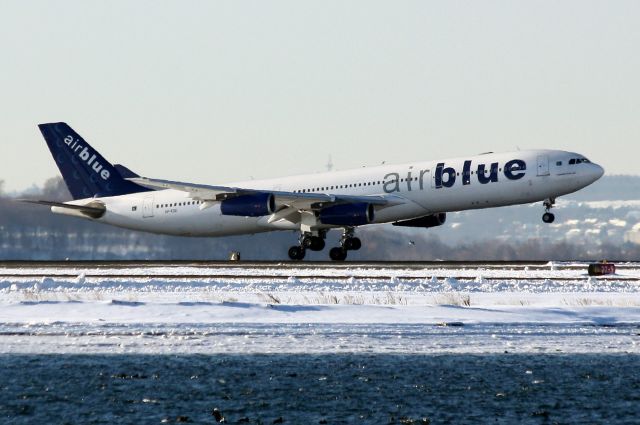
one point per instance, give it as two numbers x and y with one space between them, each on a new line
147 207
543 165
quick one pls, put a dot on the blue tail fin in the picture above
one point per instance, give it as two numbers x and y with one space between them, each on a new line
85 172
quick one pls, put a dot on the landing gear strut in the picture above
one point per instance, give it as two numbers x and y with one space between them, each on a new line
348 242
307 241
548 217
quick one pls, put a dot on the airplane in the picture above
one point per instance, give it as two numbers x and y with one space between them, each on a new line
417 194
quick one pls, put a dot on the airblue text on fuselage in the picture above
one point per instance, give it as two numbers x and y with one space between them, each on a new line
446 176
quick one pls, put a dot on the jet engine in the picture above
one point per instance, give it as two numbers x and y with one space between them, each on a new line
253 205
347 214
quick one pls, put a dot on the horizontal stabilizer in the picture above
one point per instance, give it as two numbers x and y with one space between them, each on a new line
94 210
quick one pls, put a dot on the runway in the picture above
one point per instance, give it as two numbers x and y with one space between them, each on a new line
563 271
249 307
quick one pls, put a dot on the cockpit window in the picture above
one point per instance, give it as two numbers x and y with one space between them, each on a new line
579 161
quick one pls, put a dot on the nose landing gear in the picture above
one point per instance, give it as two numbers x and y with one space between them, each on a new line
548 217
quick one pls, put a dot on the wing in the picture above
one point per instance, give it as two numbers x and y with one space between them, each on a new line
288 203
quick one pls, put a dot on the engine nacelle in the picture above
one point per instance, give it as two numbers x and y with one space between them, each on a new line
254 205
426 221
347 214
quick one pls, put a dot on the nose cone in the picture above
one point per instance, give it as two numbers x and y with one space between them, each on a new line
596 172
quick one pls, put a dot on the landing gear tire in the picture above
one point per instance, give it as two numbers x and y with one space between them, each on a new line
296 253
352 244
338 253
548 217
314 243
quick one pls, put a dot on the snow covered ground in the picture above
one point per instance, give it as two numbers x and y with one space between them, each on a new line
477 308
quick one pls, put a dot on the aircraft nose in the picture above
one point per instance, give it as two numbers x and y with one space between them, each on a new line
597 172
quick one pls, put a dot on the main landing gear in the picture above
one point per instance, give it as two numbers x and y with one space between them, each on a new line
548 217
307 241
348 242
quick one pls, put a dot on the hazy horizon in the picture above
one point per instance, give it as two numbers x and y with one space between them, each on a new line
219 91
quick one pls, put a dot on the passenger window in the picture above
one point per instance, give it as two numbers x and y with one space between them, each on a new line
558 163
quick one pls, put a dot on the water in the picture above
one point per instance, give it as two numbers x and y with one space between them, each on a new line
320 388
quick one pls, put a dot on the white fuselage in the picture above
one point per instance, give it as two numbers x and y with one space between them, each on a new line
421 188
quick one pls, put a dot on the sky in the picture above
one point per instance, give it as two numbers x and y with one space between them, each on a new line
210 92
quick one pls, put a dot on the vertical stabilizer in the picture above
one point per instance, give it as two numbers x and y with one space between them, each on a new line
85 172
